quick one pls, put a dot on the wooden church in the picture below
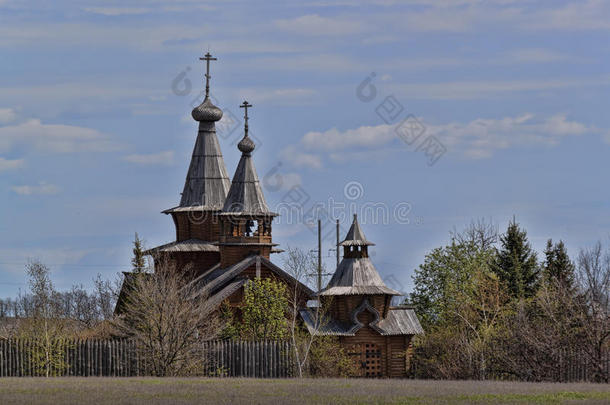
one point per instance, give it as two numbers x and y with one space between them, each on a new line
224 237
360 313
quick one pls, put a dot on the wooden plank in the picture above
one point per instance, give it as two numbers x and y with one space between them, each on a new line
240 356
2 358
10 357
110 370
252 360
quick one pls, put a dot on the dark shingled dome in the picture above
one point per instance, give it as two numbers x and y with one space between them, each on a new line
246 145
206 111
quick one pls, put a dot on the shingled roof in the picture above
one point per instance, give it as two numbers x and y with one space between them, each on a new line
217 278
245 195
399 321
356 275
355 236
207 181
189 245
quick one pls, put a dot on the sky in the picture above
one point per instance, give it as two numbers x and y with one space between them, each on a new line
419 115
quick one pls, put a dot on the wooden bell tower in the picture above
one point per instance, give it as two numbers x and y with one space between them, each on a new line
245 220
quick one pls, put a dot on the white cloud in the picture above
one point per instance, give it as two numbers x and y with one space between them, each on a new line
54 138
79 95
316 62
532 55
479 138
333 139
276 179
7 115
6 164
314 25
152 36
463 90
291 180
575 15
41 189
285 95
114 11
18 258
378 39
165 158
297 157
470 16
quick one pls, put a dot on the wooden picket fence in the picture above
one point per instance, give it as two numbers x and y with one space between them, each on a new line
570 366
575 365
230 358
121 358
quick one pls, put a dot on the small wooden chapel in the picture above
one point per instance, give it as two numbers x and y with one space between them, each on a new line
377 334
224 238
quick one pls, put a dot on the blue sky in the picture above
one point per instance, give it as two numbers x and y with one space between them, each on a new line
96 134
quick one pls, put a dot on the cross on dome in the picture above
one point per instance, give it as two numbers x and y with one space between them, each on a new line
207 58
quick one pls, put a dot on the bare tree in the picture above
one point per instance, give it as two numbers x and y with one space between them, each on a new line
300 265
592 306
106 295
169 318
481 233
79 305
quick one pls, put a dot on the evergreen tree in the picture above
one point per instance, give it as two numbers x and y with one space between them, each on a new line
516 264
137 262
557 266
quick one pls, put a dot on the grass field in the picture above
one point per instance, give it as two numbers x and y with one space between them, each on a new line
319 391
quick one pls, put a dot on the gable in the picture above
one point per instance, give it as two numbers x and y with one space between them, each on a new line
399 321
220 284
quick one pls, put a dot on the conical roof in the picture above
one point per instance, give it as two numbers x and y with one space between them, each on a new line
207 181
355 236
245 195
356 275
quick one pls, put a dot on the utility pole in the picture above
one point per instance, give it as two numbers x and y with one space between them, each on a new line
337 244
319 255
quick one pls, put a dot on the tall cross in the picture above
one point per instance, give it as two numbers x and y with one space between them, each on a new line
245 106
207 58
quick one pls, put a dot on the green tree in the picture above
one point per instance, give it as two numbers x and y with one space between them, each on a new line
557 266
516 264
45 328
230 328
460 301
264 310
444 271
138 262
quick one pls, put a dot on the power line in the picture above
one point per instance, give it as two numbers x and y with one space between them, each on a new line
71 264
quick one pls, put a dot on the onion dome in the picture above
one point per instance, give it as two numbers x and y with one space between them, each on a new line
206 111
246 145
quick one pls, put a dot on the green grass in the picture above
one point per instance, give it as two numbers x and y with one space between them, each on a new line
151 391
